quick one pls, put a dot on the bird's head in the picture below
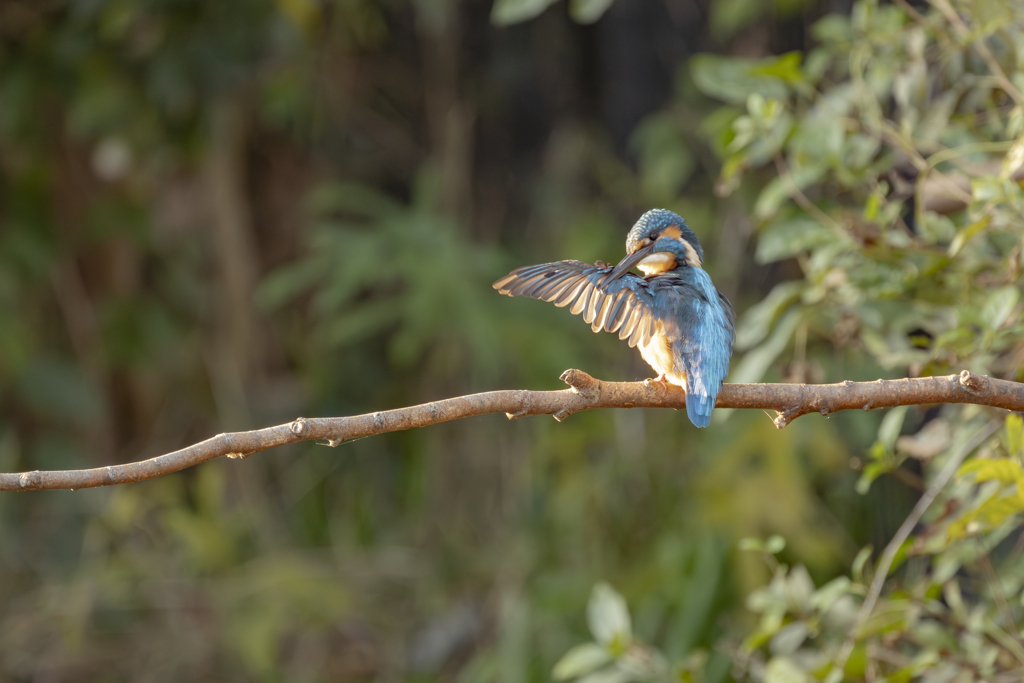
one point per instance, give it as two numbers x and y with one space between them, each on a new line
660 241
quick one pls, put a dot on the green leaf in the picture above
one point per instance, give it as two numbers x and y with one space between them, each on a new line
774 544
829 593
999 306
785 67
757 322
784 238
987 189
789 638
817 140
588 11
608 618
785 670
871 471
580 660
782 188
506 12
834 29
730 79
998 469
751 544
757 361
609 675
889 429
772 197
727 17
988 515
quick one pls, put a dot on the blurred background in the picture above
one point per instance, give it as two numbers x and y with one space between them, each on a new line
217 216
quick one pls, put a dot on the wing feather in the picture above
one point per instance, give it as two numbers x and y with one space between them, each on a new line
602 310
644 329
553 283
554 292
616 306
581 301
618 315
628 330
611 301
571 292
597 298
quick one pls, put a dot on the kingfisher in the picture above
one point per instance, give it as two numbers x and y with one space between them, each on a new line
682 324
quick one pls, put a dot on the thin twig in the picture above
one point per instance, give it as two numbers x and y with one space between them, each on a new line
789 401
902 534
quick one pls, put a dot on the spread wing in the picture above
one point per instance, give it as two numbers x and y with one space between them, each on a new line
622 305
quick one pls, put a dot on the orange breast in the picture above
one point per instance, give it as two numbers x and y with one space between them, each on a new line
658 355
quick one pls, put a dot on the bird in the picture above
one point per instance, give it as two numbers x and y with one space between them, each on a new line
683 325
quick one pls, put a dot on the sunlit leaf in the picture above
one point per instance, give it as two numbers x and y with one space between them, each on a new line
825 596
1014 159
996 469
580 660
609 675
785 67
608 617
774 544
785 670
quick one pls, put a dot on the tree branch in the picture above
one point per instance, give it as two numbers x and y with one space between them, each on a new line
789 401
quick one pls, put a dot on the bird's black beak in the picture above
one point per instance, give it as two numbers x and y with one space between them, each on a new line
626 264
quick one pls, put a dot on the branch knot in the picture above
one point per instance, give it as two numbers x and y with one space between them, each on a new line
972 382
581 383
298 426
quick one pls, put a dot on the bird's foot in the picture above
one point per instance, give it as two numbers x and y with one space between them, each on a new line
660 379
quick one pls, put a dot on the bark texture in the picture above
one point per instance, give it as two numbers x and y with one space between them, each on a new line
789 401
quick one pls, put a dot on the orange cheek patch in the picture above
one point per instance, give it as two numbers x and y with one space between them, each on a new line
672 231
691 255
675 233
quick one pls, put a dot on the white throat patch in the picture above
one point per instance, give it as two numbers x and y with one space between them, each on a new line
657 263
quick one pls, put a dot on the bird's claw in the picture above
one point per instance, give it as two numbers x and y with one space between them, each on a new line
660 379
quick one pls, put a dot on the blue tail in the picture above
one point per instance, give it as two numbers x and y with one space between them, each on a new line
698 409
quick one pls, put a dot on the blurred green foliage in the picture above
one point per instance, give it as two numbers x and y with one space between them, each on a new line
215 216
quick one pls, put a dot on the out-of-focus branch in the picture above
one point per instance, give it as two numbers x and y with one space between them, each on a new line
789 401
